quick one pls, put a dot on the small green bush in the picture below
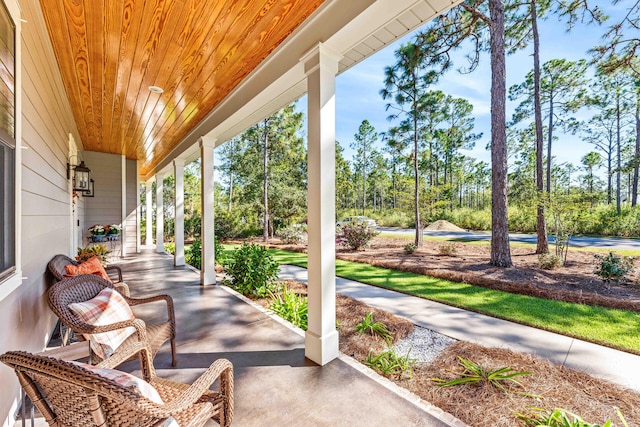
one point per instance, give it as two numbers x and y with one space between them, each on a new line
368 325
355 236
549 262
561 418
228 224
170 248
448 249
291 307
391 364
252 271
193 254
612 268
290 235
410 248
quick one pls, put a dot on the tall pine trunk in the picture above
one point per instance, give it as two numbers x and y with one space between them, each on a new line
549 143
634 190
416 191
618 144
543 243
500 251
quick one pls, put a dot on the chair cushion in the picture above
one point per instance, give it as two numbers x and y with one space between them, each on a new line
129 381
104 309
90 266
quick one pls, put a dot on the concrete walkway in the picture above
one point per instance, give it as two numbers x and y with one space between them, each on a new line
612 365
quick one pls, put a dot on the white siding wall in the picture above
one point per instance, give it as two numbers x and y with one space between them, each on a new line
105 207
46 203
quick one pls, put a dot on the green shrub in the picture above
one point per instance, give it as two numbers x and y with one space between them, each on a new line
291 307
549 261
474 373
393 218
448 249
368 325
389 363
612 268
228 224
170 248
355 235
561 418
193 254
252 271
410 248
291 235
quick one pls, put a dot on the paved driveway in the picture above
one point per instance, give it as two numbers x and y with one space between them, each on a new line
612 243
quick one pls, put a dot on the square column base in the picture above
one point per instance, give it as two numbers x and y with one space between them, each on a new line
321 350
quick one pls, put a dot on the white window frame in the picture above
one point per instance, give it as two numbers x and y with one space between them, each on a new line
9 284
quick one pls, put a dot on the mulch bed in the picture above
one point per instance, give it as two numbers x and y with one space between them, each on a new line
483 405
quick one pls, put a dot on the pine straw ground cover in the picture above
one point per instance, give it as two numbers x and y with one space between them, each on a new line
483 405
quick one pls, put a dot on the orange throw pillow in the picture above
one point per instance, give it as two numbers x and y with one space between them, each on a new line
90 266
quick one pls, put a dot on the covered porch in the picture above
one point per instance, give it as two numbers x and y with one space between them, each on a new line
83 87
274 383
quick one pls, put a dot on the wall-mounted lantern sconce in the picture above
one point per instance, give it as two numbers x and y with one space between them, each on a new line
81 177
91 192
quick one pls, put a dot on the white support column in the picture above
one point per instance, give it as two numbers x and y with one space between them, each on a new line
208 269
123 205
149 217
178 226
138 210
321 339
159 213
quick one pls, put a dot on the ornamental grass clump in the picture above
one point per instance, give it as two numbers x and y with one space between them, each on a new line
391 364
356 235
474 373
369 325
562 418
292 307
251 271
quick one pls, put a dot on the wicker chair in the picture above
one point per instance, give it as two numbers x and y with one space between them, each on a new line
70 395
84 287
57 267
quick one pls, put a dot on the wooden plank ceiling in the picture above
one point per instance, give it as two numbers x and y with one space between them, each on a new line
110 51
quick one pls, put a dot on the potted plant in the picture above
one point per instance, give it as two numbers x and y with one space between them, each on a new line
89 252
113 231
98 233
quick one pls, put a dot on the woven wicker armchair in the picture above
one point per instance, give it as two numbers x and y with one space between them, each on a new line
70 395
85 287
57 267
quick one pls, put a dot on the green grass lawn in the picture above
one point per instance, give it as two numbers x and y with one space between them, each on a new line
611 327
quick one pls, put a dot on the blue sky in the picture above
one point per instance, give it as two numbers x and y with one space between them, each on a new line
357 89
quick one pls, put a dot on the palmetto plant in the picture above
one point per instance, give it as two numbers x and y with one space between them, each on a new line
390 363
475 374
368 324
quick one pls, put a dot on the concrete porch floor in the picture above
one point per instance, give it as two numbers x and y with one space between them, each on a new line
274 383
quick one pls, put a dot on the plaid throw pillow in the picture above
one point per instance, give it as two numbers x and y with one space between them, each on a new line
104 309
90 266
